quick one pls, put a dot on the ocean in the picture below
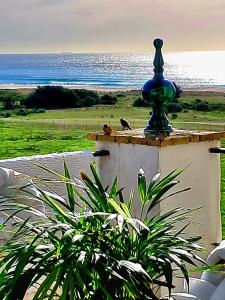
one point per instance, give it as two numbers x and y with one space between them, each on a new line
189 69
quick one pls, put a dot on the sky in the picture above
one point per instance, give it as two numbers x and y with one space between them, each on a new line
43 26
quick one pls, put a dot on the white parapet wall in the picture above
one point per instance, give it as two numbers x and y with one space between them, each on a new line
76 161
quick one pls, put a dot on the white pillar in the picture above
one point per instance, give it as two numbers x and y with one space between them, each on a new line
130 151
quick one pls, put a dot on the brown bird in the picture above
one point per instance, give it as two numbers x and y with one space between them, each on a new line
125 124
107 129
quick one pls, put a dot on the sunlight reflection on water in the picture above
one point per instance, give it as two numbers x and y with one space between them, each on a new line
131 70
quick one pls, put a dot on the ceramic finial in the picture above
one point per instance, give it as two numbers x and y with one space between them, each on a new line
158 60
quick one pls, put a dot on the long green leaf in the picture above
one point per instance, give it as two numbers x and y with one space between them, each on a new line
70 190
142 187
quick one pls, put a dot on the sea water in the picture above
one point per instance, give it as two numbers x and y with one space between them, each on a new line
189 69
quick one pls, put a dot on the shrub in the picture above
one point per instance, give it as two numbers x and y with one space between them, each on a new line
108 99
89 101
8 102
217 106
50 97
11 100
120 95
86 97
22 112
38 111
202 106
5 114
174 116
174 107
186 105
140 102
91 247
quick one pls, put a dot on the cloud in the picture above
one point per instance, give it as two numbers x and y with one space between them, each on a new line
48 2
110 25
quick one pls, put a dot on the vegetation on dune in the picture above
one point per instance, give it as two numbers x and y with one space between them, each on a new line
208 111
174 107
57 97
50 97
92 246
11 99
200 105
140 102
193 105
108 99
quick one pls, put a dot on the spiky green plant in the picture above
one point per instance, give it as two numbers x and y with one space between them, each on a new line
91 246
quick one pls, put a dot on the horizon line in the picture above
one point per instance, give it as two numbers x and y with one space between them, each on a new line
106 52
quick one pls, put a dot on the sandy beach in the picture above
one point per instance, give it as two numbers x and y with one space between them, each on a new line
102 89
86 87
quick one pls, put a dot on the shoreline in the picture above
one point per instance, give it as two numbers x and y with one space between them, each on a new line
86 87
103 89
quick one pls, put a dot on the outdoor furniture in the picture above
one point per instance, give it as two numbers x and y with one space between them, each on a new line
211 285
20 188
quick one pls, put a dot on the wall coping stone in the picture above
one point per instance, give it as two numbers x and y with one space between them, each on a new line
47 156
137 137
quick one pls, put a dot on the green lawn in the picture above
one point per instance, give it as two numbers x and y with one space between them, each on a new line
25 140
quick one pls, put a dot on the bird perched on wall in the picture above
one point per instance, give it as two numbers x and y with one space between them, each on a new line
125 124
107 129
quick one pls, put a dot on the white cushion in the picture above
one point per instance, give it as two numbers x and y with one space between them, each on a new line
184 296
217 254
11 183
219 293
214 257
200 288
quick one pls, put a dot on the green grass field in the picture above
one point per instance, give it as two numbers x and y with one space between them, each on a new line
123 108
93 118
65 130
25 140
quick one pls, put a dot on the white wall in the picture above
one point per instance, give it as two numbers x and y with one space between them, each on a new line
203 176
125 160
76 161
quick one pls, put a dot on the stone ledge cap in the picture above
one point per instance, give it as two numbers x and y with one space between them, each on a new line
137 137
